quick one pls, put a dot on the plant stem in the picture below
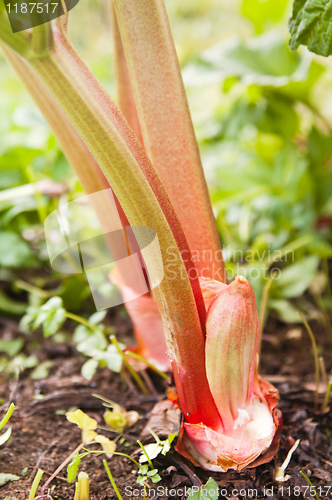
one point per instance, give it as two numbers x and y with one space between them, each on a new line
50 479
76 497
83 321
131 370
147 456
323 370
310 483
7 416
326 318
35 484
110 477
327 396
113 453
44 294
150 365
129 170
315 352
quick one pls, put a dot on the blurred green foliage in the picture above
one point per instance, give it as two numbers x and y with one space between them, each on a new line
266 147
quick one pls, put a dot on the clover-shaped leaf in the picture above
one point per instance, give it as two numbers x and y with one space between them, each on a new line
85 423
50 316
107 445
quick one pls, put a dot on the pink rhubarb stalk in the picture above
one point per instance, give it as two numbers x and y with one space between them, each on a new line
246 403
166 126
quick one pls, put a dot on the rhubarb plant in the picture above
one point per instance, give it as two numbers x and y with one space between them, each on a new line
151 161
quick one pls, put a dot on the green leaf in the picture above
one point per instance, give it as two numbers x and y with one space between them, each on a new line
27 321
141 480
42 370
22 362
155 478
295 279
96 341
89 369
72 468
6 478
54 321
207 492
263 12
11 347
50 315
152 472
143 469
287 312
310 25
81 333
154 449
15 252
74 292
265 61
97 317
7 416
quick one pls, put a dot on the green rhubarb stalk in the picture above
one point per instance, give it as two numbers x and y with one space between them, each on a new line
166 125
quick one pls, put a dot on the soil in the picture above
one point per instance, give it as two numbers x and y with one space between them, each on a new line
42 437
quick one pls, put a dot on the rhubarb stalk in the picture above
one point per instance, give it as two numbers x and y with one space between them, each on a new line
143 311
145 202
166 125
230 415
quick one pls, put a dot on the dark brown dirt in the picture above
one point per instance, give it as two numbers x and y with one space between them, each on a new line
43 438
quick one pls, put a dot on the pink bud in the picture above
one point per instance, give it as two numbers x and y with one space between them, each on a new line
246 403
231 351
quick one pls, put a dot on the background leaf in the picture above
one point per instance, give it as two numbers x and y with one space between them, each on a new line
15 252
310 25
